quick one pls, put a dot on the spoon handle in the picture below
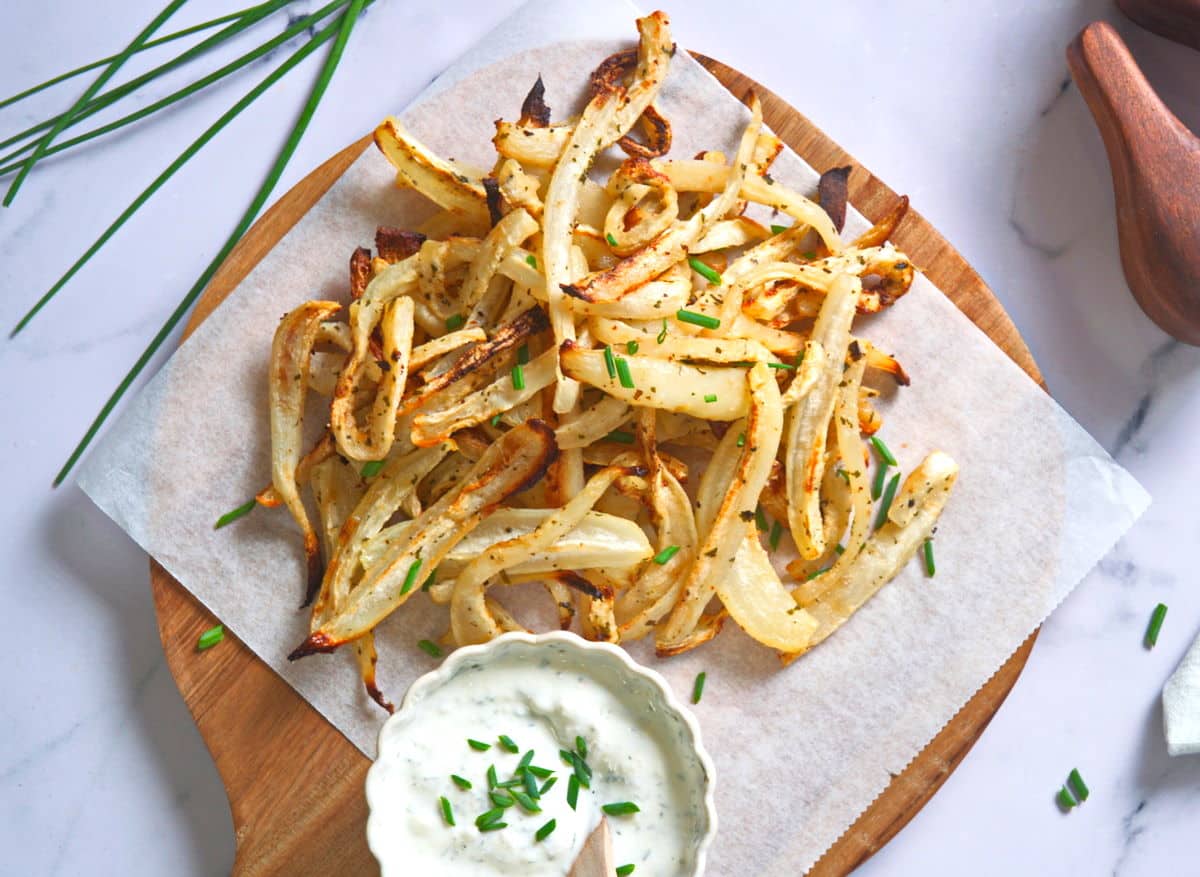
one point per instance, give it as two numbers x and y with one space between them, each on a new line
1177 20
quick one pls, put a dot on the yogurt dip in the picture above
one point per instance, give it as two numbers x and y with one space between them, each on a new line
585 712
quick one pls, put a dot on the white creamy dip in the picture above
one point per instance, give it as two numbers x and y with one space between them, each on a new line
543 697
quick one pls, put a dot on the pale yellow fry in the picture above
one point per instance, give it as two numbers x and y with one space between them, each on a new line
592 424
674 345
438 180
757 600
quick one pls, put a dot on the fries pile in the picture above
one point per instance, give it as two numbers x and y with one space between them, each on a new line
526 383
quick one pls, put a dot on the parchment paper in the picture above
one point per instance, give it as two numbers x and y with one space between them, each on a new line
799 752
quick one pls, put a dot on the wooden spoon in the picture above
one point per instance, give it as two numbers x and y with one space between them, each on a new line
1177 20
1155 163
596 857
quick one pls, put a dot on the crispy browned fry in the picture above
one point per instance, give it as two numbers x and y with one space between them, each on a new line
325 448
438 180
395 244
360 271
534 112
885 228
705 630
885 362
833 192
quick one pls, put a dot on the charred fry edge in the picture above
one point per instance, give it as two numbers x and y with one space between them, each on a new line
833 192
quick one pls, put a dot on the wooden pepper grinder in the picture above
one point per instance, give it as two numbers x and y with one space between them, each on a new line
1155 163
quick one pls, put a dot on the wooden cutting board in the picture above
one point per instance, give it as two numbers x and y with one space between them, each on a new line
295 784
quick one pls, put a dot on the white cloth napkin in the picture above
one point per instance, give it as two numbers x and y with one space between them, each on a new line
1181 705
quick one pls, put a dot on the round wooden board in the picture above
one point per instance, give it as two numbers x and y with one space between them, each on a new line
295 784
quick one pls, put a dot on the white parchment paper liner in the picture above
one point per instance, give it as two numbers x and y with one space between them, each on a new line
800 752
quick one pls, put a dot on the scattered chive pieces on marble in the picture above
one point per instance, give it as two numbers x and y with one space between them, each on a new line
430 648
1156 623
698 686
528 804
1077 785
231 516
500 799
666 554
210 637
547 786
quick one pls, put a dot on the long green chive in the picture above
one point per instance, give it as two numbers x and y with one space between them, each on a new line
623 375
581 746
778 229
523 354
685 316
741 440
455 322
410 577
371 468
462 782
612 241
620 435
1065 799
704 271
540 772
883 450
65 119
710 397
573 790
885 505
662 336
760 519
776 535
1156 622
1078 786
518 377
698 686
430 648
610 361
545 831
547 786
532 260
342 29
880 477
491 776
786 365
500 799
210 637
526 801
506 742
626 870
666 554
621 808
447 811
927 554
631 347
489 817
231 516
478 745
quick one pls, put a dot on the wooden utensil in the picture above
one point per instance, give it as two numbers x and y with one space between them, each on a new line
1177 20
1155 164
596 857
295 784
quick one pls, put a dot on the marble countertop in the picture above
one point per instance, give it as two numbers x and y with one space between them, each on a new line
967 107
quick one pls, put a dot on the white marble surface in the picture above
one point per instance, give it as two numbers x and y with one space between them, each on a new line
965 107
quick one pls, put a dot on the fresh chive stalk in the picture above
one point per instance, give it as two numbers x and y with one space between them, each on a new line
462 782
506 742
885 505
410 578
1156 623
530 783
760 519
528 804
500 799
698 686
664 556
741 440
704 271
496 420
581 746
489 817
518 377
610 361
210 637
927 556
885 453
816 572
623 374
881 471
430 648
572 791
547 786
523 354
683 315
785 365
491 776
540 772
478 745
232 515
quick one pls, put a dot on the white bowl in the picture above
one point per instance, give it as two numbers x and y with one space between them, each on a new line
609 666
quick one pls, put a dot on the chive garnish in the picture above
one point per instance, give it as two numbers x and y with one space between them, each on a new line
539 772
808 255
620 435
710 397
1078 786
776 535
666 554
760 519
581 746
610 361
495 421
612 241
371 468
626 870
410 578
510 784
491 776
525 761
1065 799
840 549
478 745
621 808
818 572
506 742
523 354
662 336
430 648
489 818
778 229
741 440
880 477
842 474
625 377
447 812
1156 622
531 786
547 786
531 260
573 791
231 516
889 494
631 347
786 365
927 554
493 826
704 271
526 801
518 377
698 686
455 321
545 831
685 316
883 450
462 782
210 637
500 799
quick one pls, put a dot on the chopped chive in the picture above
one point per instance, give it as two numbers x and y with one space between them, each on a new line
776 535
621 808
685 316
620 435
511 784
525 761
760 519
1078 786
573 790
493 826
371 468
666 554
489 817
842 474
610 361
710 397
518 377
582 771
698 686
741 440
478 745
500 799
495 421
927 553
1065 799
455 321
523 354
612 241
531 260
819 572
581 746
547 786
526 801
885 505
231 516
880 477
704 271
447 811
631 347
808 255
778 229
506 742
840 549
545 831
410 578
1156 622
625 377
210 637
786 365
462 782
430 648
539 772
883 450
662 336
530 783
491 776
626 870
